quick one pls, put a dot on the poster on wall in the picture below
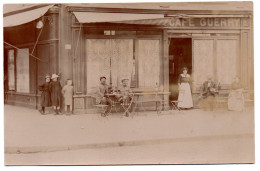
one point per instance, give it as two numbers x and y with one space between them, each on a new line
22 70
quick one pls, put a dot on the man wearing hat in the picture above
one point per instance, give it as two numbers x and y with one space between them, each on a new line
124 97
101 97
209 90
45 95
55 88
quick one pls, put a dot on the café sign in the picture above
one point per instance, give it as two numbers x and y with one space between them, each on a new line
203 22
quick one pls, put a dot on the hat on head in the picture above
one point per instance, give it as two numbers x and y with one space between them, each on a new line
54 76
102 78
124 79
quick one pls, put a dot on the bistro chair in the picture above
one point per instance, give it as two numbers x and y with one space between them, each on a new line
175 102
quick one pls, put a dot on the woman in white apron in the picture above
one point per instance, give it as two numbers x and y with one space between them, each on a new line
184 98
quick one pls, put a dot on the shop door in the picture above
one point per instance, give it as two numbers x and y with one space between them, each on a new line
180 52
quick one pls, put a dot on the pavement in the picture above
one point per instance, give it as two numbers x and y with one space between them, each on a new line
190 136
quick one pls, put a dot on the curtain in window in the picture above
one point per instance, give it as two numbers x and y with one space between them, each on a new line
11 71
122 60
22 70
226 60
203 60
98 61
148 55
105 56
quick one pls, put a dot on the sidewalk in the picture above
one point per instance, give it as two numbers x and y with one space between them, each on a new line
27 131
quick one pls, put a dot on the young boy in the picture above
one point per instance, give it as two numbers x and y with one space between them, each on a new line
67 92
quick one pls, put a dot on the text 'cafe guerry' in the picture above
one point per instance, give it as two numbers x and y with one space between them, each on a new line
203 22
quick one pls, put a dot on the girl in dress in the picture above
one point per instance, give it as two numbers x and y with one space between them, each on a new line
236 97
55 88
45 96
67 92
184 98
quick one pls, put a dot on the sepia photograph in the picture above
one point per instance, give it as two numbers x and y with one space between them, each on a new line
128 83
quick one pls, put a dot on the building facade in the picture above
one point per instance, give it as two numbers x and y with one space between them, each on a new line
147 43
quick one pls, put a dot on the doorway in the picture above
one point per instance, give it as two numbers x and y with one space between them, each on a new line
180 55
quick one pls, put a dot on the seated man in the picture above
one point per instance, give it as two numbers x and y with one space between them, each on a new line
101 97
209 90
124 96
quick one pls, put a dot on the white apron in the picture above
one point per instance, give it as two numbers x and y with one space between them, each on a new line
185 97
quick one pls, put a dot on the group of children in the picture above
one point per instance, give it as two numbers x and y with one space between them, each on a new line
52 92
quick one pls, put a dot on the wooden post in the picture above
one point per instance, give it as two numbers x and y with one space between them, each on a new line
165 67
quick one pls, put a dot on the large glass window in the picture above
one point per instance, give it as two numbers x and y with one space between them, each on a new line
112 58
226 60
22 71
148 54
11 70
203 60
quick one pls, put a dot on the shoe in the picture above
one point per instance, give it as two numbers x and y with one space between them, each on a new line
42 112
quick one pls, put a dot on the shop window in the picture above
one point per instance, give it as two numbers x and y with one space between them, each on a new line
226 60
112 58
22 70
11 71
115 59
148 54
203 60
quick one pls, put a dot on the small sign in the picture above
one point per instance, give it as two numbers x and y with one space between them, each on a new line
106 32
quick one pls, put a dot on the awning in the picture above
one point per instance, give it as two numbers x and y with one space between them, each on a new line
25 17
92 17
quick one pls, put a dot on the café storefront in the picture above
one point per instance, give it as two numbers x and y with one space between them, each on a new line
150 47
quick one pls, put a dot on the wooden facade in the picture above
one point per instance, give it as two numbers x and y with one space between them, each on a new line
214 35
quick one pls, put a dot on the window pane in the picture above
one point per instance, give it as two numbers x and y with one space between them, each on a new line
226 60
22 70
107 57
121 60
11 76
98 62
203 60
148 55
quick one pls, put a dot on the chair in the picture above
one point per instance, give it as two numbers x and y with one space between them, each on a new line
175 102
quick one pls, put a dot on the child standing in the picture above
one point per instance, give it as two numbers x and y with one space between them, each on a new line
55 88
67 92
45 96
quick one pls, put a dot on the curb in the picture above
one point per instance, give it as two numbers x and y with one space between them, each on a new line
38 149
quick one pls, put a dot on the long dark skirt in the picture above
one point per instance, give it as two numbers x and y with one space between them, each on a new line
45 99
